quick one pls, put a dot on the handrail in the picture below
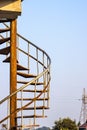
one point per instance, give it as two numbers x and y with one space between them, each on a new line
31 57
34 46
31 44
34 78
44 72
24 86
26 104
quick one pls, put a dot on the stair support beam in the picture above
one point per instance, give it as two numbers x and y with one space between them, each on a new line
13 74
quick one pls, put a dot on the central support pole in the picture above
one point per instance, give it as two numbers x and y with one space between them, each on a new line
13 74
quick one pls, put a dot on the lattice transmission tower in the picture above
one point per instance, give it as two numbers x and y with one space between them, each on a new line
83 113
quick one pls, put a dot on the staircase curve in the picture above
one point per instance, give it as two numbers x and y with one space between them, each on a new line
33 81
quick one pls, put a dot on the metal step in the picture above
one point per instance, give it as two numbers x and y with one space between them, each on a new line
26 75
4 30
5 20
7 60
32 116
4 40
5 51
20 67
37 83
38 91
27 99
24 82
37 108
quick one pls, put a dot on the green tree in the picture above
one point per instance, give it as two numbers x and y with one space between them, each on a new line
65 124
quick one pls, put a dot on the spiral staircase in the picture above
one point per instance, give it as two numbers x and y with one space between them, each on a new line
33 81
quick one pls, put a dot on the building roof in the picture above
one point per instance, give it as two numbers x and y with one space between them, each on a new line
84 125
10 9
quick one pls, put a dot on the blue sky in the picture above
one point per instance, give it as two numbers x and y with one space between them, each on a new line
60 28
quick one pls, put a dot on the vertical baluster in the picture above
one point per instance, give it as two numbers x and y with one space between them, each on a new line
44 81
28 57
35 103
8 112
37 61
48 82
21 107
17 47
7 35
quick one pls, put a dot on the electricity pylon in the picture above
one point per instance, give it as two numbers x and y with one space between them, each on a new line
83 113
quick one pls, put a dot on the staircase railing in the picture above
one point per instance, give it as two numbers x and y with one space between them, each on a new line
36 87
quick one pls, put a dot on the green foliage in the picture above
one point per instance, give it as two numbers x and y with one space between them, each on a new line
43 128
65 124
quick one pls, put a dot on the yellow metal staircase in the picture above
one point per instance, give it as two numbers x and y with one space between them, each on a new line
33 81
